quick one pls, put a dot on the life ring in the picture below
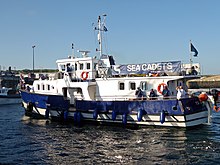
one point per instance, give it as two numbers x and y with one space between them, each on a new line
84 75
159 87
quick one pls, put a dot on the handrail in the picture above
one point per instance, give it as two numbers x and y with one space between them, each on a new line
129 98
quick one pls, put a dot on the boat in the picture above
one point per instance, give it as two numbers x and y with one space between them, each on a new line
9 96
95 89
8 88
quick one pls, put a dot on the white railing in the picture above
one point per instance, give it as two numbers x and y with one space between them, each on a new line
129 98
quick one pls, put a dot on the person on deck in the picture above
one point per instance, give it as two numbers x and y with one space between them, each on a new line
152 94
215 93
166 92
139 93
180 92
193 71
28 88
68 68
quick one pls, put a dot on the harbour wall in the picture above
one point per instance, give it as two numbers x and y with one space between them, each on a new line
205 82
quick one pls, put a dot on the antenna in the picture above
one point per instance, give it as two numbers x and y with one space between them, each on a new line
72 50
83 52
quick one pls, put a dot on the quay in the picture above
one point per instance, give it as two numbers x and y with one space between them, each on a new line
207 81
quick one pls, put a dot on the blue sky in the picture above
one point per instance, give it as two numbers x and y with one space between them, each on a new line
138 31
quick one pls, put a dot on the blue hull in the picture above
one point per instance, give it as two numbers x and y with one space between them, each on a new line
169 112
151 107
37 102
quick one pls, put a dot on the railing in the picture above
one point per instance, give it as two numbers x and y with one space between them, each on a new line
126 97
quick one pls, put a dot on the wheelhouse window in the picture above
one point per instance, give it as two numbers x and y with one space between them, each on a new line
88 65
144 85
79 90
81 66
75 66
132 85
121 86
62 67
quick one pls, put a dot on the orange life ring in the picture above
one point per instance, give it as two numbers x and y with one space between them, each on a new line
159 87
84 75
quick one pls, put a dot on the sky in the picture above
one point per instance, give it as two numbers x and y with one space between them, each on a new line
139 31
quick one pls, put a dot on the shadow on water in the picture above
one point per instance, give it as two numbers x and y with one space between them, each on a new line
34 141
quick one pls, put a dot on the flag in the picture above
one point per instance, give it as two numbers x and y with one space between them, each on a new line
105 29
193 49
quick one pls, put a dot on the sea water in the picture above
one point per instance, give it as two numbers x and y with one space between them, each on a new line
32 141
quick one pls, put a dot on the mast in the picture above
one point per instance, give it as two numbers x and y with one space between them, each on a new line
33 57
101 28
100 36
190 52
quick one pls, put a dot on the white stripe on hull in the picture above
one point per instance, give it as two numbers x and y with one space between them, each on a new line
197 115
39 111
153 120
149 120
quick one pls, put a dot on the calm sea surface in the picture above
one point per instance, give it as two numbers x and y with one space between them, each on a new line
31 141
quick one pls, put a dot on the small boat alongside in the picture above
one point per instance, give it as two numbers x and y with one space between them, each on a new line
9 96
97 90
8 88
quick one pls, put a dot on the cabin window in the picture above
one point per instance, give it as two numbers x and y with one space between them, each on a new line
81 66
144 85
79 91
68 67
132 85
38 87
48 87
62 67
43 87
88 66
95 65
75 66
65 92
121 86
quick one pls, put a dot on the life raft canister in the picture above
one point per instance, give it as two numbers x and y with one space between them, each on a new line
84 75
159 87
